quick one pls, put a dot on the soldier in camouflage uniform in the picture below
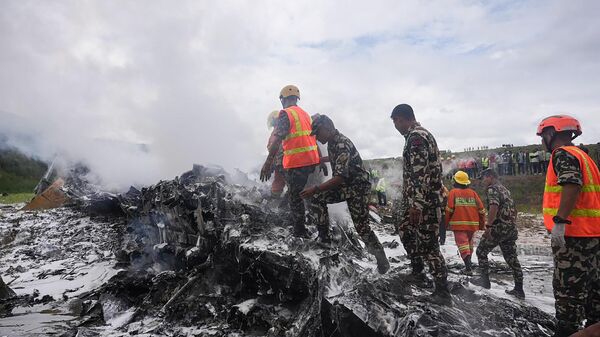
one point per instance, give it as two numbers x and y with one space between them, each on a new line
350 183
501 230
576 281
421 208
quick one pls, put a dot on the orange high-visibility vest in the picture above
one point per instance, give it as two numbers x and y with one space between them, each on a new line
585 217
464 211
299 147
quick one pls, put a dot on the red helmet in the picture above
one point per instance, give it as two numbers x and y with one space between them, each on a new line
560 123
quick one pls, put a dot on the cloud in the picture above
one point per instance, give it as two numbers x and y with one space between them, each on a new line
195 81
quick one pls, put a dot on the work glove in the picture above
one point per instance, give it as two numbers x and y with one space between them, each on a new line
557 238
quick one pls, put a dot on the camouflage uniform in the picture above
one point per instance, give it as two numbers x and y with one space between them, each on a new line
576 279
295 178
347 163
503 232
422 189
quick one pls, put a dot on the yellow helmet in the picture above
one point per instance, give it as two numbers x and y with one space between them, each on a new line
289 90
462 178
272 118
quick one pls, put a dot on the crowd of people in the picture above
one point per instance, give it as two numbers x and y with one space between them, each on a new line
509 162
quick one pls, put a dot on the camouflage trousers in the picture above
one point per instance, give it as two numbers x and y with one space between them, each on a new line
296 179
421 242
576 282
357 198
505 236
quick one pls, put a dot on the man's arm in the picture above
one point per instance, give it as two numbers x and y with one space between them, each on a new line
417 170
340 173
568 199
282 127
449 208
568 172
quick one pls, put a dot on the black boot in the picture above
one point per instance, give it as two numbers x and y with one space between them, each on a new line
564 330
383 265
441 295
324 235
482 281
468 265
420 279
517 291
374 247
301 231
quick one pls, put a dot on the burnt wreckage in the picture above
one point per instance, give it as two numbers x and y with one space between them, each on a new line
199 251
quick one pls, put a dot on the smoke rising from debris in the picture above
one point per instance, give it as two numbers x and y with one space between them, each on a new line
195 83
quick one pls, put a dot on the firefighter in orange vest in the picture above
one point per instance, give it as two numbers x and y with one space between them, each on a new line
572 215
300 153
464 216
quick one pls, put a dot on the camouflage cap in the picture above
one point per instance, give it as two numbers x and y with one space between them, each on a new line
320 121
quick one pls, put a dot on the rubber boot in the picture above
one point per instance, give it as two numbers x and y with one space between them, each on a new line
420 279
441 295
468 265
374 247
324 237
482 281
517 291
383 265
301 231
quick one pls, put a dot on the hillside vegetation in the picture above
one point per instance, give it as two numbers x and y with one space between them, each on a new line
18 172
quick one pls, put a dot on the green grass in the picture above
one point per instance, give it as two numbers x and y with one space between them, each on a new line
13 183
16 198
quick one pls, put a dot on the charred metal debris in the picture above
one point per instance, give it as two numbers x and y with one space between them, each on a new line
203 256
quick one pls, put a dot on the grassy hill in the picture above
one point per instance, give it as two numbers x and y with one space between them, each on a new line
18 172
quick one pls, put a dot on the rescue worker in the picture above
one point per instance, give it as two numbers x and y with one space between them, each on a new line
380 189
421 211
572 215
501 230
350 183
300 153
464 216
278 183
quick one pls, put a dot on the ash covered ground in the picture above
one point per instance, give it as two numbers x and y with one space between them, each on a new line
202 256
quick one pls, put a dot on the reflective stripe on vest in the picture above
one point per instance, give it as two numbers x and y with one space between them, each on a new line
299 147
585 217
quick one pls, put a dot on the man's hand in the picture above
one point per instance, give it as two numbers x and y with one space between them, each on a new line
557 238
415 216
267 169
323 168
308 192
488 233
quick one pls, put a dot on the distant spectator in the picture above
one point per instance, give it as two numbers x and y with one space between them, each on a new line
521 162
535 162
381 189
543 164
584 148
485 162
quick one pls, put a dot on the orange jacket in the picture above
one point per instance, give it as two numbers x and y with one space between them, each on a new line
585 217
299 147
464 211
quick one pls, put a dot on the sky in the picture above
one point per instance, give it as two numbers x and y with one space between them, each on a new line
195 80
